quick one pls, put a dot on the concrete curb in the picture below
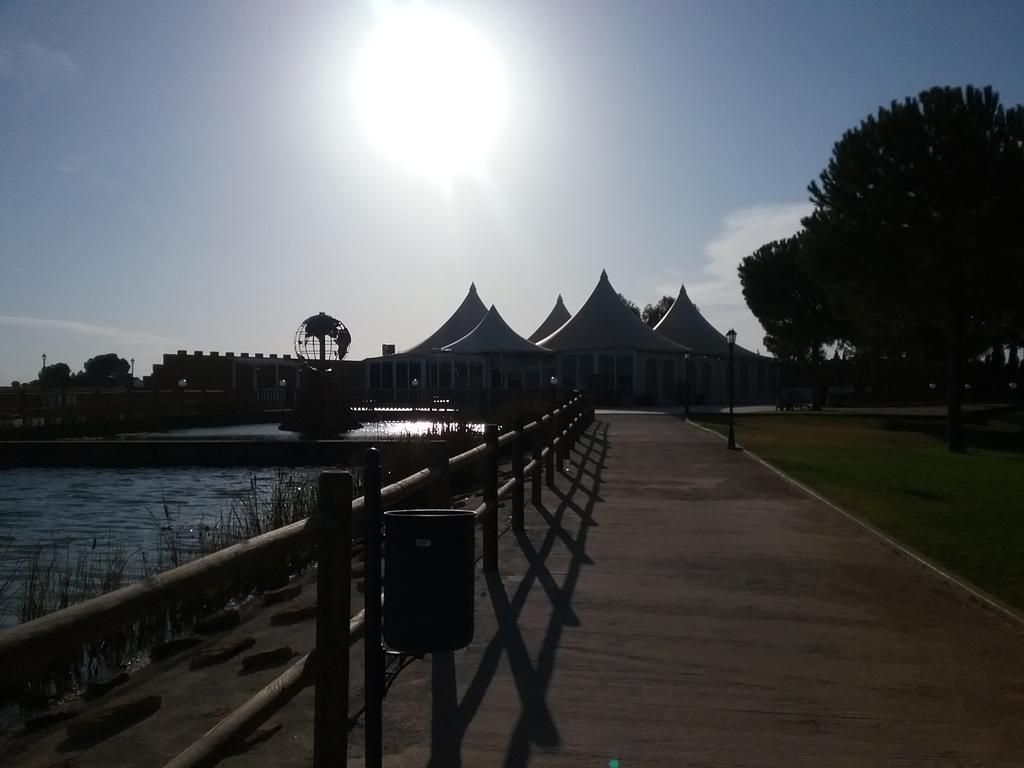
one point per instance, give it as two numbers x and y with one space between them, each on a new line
973 593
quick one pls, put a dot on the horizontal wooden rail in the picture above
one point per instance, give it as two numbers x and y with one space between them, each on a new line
507 439
24 646
399 489
216 742
507 488
468 457
479 512
211 747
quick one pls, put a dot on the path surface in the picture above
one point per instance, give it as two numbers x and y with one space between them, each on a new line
670 604
689 608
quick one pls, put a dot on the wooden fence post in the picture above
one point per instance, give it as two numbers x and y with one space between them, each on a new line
564 426
439 494
490 521
519 492
333 585
373 651
549 460
535 473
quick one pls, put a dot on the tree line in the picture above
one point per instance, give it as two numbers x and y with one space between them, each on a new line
914 246
107 370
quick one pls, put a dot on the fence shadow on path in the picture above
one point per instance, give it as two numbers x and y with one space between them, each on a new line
535 726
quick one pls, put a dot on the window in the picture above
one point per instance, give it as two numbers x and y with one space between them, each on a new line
568 376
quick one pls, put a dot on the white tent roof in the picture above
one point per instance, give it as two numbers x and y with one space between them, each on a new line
493 335
556 319
469 314
684 324
605 322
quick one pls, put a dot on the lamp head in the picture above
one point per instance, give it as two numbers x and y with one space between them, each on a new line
731 337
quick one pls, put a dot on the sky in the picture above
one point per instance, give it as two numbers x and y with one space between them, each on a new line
198 176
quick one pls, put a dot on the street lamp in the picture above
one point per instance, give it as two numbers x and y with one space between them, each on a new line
415 384
182 383
44 359
731 338
131 379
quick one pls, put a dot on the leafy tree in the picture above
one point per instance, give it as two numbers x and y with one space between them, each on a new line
654 312
56 375
915 216
15 384
791 307
633 306
103 371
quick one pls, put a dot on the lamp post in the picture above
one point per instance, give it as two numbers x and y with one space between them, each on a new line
44 360
415 384
553 381
131 375
731 338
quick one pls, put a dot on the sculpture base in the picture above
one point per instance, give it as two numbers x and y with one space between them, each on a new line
320 412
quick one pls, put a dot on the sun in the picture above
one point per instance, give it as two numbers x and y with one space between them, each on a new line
430 92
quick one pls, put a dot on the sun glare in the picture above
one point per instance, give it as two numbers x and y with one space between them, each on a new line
430 92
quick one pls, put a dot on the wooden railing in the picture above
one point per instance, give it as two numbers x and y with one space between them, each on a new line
32 645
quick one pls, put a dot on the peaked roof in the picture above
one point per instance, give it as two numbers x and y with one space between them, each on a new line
605 322
556 319
493 335
463 320
684 324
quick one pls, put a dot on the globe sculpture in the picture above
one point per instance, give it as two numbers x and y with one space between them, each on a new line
321 341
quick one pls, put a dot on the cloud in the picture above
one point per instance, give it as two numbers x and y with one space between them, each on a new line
719 294
118 335
35 68
742 233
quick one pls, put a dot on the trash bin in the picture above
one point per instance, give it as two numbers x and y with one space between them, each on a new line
428 579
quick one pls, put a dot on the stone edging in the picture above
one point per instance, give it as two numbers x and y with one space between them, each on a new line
973 593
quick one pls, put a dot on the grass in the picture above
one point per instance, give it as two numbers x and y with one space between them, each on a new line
965 511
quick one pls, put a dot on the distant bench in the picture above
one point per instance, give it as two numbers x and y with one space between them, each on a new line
793 398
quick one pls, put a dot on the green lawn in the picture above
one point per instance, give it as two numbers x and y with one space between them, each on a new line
963 511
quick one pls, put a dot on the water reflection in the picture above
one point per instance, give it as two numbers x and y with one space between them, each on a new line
379 430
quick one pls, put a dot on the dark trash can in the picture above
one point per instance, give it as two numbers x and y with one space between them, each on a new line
428 579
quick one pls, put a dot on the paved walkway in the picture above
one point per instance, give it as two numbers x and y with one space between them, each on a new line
671 604
689 608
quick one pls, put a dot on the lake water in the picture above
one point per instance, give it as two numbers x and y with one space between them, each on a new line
95 510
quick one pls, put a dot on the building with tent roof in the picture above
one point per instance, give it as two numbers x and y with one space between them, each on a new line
605 347
509 361
707 364
473 352
556 318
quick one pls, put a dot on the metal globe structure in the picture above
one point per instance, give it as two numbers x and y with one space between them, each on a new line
321 341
